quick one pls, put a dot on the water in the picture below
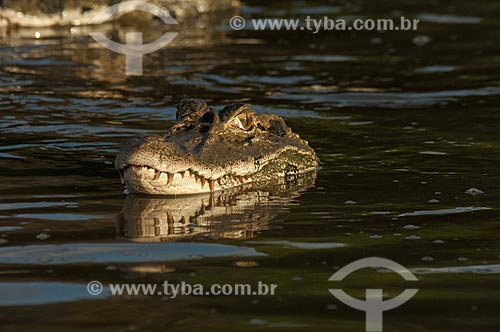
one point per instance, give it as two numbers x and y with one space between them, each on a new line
405 124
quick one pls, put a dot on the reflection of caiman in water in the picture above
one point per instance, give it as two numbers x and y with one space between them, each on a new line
236 213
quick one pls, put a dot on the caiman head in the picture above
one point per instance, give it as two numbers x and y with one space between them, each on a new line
211 150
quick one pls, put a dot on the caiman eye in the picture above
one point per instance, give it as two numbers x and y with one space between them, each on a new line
243 121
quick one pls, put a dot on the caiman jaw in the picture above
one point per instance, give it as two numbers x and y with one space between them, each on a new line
146 179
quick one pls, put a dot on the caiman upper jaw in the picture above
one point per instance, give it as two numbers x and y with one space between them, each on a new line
155 152
150 180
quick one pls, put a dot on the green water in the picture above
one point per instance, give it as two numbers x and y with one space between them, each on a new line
407 132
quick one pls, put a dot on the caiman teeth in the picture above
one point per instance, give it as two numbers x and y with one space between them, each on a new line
122 176
143 171
170 178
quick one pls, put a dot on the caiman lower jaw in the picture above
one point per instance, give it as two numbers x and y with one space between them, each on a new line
145 179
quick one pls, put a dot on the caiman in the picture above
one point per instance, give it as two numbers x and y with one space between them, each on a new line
210 150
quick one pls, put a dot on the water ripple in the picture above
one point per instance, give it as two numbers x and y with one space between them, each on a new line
118 253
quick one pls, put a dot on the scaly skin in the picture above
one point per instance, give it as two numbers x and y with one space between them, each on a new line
212 150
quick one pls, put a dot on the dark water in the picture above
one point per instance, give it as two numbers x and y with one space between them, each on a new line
405 123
